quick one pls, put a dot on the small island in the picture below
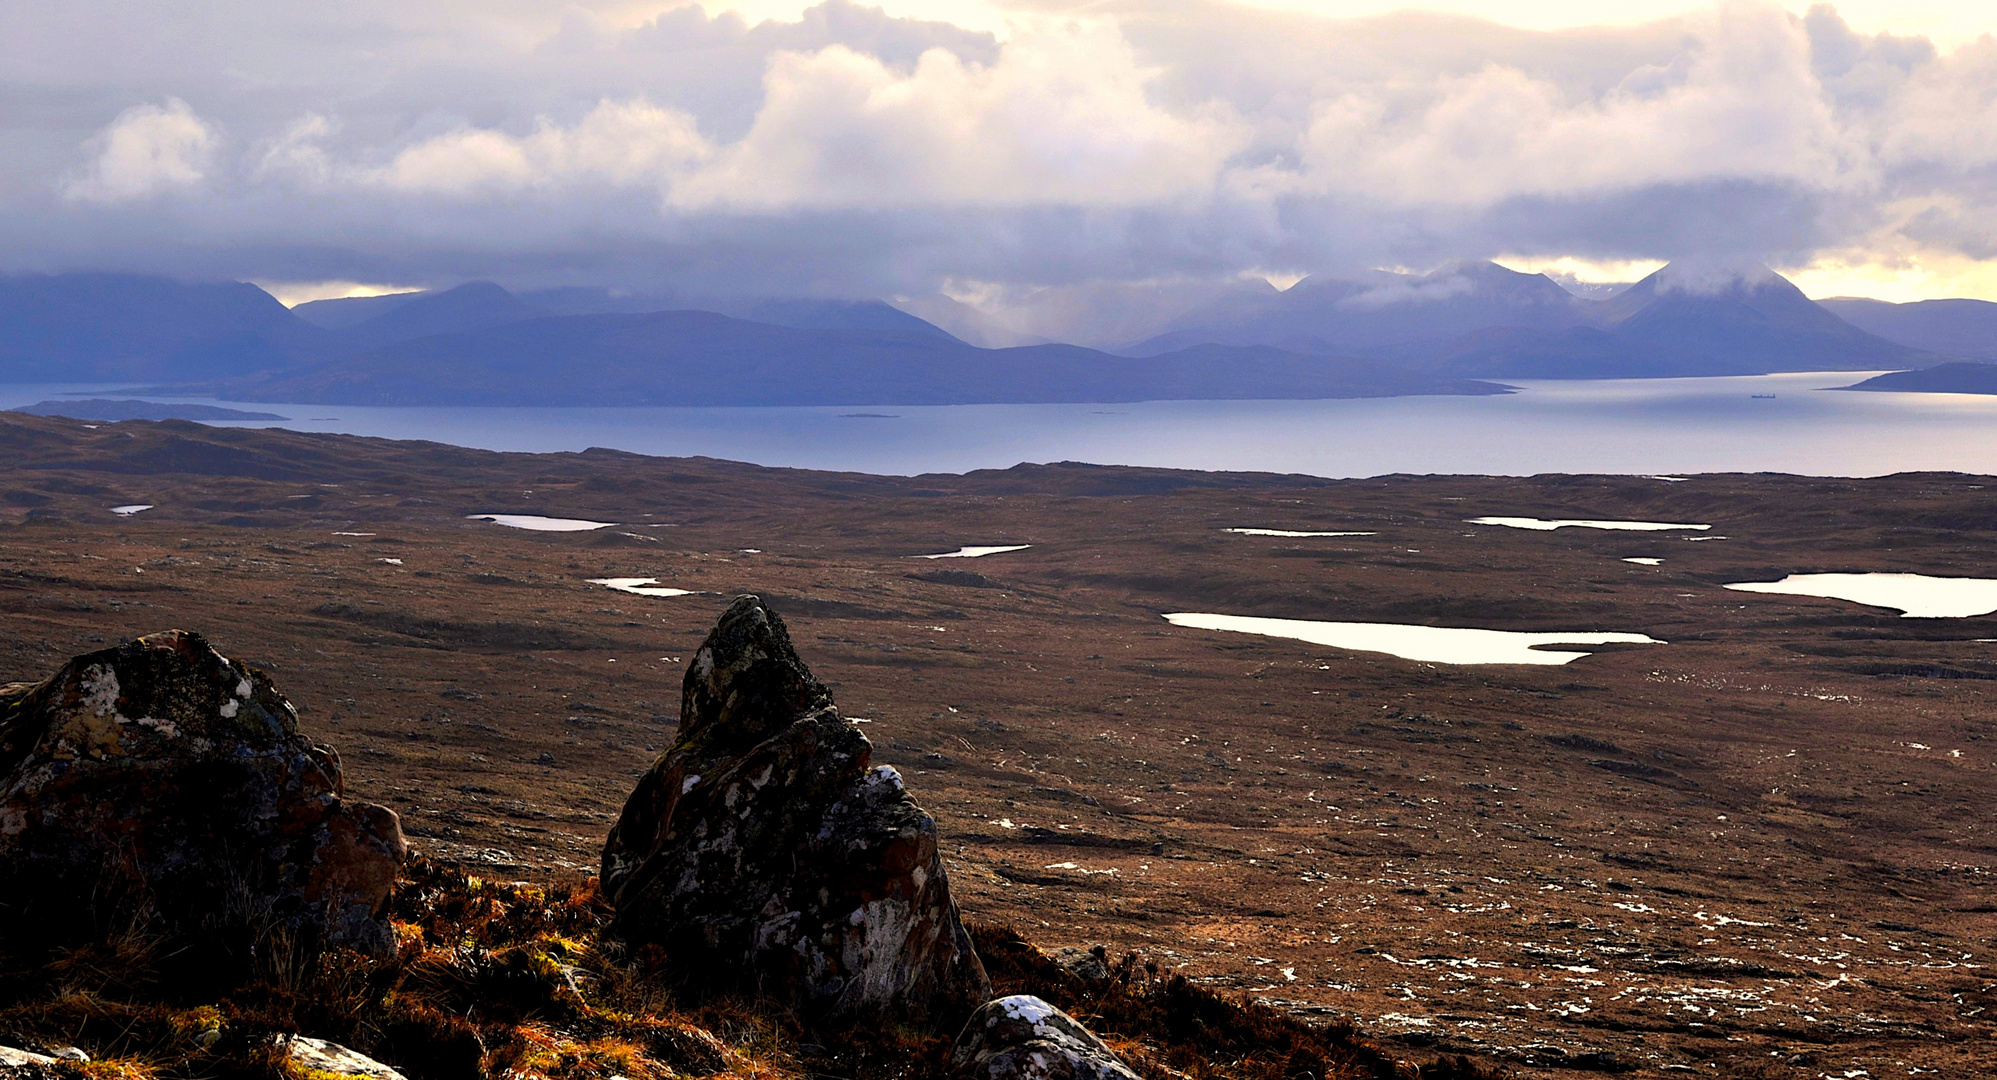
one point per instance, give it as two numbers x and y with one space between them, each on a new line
1964 377
113 410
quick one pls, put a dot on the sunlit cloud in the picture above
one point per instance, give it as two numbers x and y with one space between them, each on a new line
147 150
294 293
1585 271
1057 154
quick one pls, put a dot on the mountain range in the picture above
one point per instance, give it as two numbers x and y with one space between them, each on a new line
705 358
1383 334
1483 320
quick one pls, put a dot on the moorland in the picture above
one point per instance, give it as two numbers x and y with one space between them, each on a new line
1761 847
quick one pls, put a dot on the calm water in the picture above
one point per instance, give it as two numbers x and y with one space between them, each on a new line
1915 596
1432 644
1650 426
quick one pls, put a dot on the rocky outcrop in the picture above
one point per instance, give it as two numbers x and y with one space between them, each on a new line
161 785
1024 1038
765 852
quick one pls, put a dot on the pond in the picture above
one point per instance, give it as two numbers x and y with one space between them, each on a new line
1434 644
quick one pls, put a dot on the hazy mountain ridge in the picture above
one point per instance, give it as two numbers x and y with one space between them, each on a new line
704 358
1385 333
111 327
1966 328
1483 320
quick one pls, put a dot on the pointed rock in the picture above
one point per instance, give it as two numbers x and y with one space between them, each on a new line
764 852
165 785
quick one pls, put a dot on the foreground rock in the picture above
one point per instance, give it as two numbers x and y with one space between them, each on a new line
1024 1038
764 852
163 786
323 1058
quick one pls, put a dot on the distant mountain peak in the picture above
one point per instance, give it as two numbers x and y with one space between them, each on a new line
1711 276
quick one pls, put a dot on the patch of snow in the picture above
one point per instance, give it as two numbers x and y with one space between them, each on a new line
1640 561
128 511
1434 644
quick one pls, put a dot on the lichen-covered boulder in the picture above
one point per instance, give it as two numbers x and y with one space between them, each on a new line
764 852
1024 1038
163 786
317 1057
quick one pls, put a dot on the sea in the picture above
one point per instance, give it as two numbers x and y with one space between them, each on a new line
1789 423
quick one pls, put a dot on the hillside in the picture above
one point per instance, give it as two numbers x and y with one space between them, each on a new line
1450 856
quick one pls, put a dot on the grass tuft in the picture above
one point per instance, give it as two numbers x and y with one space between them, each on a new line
516 981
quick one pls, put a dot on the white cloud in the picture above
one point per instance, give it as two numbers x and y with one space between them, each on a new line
617 143
853 151
299 154
1742 103
147 150
1062 118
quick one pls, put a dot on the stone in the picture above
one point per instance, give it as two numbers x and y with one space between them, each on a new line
1090 965
322 1057
11 1058
764 852
1024 1038
159 784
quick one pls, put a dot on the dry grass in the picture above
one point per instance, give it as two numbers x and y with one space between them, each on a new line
516 980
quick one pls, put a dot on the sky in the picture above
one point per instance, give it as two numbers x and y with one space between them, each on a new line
994 150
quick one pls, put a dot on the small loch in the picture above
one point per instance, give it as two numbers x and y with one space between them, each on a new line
1291 533
128 511
1548 525
638 586
1915 596
1432 644
975 552
541 524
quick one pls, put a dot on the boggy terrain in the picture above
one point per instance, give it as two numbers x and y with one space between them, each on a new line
1763 848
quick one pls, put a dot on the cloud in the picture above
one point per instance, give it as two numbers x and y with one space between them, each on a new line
1060 118
619 144
147 150
1131 152
1742 104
